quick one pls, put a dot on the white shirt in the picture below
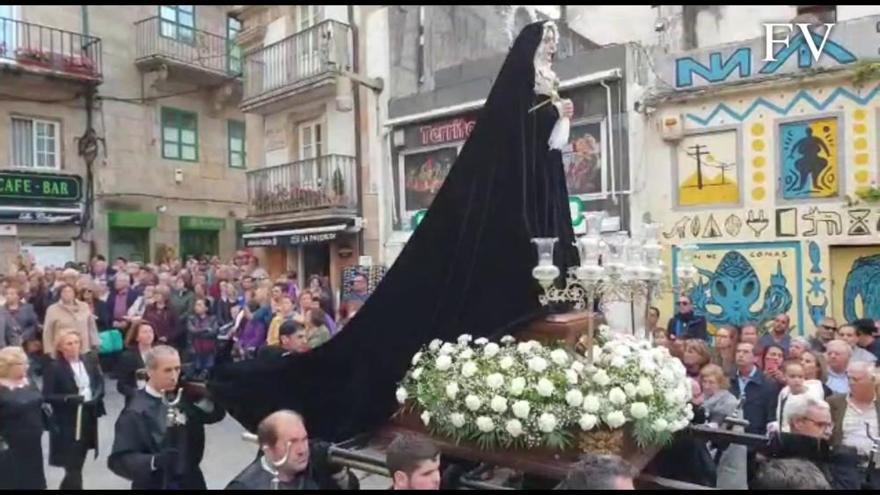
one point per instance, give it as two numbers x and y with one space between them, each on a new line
860 354
854 420
83 383
838 382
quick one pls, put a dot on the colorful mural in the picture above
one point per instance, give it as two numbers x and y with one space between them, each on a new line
424 174
856 291
746 282
808 158
583 159
708 169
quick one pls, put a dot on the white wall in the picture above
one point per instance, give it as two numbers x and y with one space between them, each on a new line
607 24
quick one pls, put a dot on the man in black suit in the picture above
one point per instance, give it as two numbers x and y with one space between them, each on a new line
292 338
759 407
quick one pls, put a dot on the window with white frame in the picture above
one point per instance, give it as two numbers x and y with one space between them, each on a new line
35 143
311 141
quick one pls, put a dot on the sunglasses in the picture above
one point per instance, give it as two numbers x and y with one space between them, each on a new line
826 327
683 303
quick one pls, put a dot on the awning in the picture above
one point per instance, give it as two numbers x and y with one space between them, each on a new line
293 237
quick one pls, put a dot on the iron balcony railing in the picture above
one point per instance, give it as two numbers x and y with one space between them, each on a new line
157 38
321 48
44 47
326 182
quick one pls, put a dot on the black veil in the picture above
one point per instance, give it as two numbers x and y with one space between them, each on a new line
466 269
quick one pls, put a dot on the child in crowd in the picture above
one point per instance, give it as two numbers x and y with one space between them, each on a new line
202 330
796 385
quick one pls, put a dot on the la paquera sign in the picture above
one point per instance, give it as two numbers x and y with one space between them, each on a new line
40 187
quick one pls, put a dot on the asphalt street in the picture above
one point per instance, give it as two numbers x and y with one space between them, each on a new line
226 454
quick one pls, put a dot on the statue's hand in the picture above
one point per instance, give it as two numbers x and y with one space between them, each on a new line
566 108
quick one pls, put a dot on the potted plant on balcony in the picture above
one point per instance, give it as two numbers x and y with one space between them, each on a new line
33 56
79 64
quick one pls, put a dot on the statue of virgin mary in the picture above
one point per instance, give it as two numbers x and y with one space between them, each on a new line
466 268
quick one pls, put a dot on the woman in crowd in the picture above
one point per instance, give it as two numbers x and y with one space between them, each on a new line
815 371
68 313
181 299
38 296
200 292
718 402
164 320
23 318
132 361
88 294
749 333
21 425
798 346
696 355
223 306
316 329
201 331
136 311
771 363
724 353
74 386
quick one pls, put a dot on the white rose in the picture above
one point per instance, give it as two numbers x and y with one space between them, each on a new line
535 345
506 362
660 424
485 424
630 389
447 348
547 423
587 422
615 419
577 366
498 404
401 395
645 389
597 353
495 381
574 398
417 373
466 354
667 376
514 428
473 402
508 339
443 362
469 369
638 410
416 357
571 377
517 386
435 344
426 418
622 351
618 362
523 348
491 350
559 356
464 338
457 419
601 378
591 403
617 396
538 364
481 341
452 390
521 409
545 387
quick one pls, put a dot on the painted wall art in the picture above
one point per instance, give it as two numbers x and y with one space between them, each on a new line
856 291
708 169
584 160
424 173
809 158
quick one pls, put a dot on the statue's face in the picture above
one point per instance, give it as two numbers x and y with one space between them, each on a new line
549 43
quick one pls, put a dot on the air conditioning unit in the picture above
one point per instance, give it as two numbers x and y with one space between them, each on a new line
671 126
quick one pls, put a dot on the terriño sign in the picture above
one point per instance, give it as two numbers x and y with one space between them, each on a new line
448 131
40 187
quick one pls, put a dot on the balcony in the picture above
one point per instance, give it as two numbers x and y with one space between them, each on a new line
43 56
317 186
298 69
202 59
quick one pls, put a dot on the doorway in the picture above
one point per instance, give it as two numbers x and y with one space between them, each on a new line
198 243
315 261
131 243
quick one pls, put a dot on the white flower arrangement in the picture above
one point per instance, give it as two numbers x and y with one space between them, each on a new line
524 394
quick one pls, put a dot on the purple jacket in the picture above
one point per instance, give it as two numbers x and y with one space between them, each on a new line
254 334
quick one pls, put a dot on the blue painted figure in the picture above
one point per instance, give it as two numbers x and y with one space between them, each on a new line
815 257
863 281
734 286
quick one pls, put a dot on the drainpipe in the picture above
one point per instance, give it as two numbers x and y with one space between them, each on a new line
420 60
89 141
356 99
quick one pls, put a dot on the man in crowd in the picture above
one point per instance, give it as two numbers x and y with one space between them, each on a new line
414 463
359 290
761 394
778 334
865 329
686 324
599 472
789 474
99 270
837 354
824 334
281 434
293 339
146 450
653 320
848 334
856 413
120 299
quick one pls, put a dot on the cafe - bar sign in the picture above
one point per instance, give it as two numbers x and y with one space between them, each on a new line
40 187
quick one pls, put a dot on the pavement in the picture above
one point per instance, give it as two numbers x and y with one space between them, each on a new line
226 454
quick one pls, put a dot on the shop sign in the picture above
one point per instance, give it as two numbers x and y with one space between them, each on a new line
39 217
40 187
291 240
442 132
202 223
